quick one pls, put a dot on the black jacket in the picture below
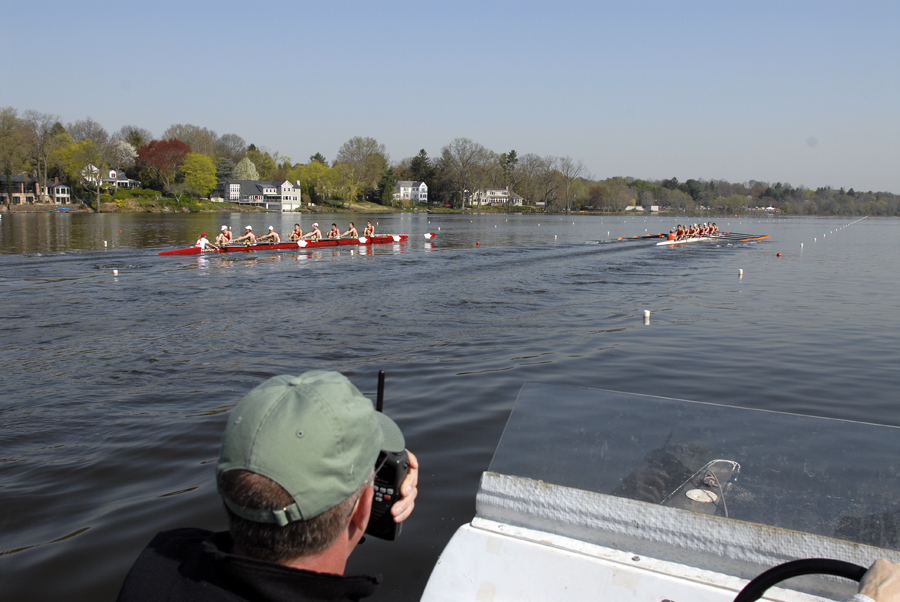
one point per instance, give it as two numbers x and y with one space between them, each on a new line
196 565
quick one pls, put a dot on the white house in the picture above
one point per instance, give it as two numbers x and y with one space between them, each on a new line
283 196
495 197
414 192
114 178
57 192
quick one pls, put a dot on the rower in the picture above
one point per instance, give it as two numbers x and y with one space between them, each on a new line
370 229
679 232
204 243
271 236
715 228
224 236
249 237
334 232
296 234
315 233
351 232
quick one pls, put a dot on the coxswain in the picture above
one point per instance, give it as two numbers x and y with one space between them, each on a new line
271 236
249 238
671 235
334 232
204 243
351 232
370 229
296 234
315 233
224 236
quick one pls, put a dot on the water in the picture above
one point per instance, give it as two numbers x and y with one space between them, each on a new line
116 387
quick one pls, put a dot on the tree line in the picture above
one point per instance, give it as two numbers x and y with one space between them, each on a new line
193 160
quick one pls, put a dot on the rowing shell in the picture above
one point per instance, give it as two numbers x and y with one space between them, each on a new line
287 246
723 236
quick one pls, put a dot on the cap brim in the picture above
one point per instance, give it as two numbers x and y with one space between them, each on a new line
392 438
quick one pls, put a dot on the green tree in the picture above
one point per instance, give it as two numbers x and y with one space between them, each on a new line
199 172
245 170
318 158
90 156
314 178
384 191
224 167
420 168
364 159
266 164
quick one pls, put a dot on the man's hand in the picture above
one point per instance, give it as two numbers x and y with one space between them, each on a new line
882 581
408 491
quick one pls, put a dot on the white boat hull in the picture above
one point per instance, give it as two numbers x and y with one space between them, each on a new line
685 240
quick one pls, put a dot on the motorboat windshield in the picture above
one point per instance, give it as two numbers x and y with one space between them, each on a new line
827 477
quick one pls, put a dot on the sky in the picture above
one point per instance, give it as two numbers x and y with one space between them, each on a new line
806 93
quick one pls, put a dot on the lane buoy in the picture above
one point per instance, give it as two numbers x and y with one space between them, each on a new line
477 244
115 272
646 313
778 255
741 272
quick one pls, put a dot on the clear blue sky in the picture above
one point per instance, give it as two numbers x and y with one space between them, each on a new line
799 92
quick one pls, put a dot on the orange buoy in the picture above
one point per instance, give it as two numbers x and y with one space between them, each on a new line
778 255
477 244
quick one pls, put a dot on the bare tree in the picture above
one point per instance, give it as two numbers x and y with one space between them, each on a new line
201 140
539 178
231 146
570 170
134 135
92 152
14 136
617 193
465 162
45 141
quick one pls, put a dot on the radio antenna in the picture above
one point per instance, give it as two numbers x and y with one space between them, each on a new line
379 402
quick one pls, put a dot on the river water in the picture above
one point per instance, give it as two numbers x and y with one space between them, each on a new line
116 386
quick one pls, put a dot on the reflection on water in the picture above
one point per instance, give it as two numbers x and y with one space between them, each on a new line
115 385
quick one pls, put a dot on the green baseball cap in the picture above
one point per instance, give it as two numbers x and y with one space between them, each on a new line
314 434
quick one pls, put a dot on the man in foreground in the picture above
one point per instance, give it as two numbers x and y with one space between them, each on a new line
271 237
295 473
248 238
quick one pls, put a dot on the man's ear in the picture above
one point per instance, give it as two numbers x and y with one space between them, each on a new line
359 519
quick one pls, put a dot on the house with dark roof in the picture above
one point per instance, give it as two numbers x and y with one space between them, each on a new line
20 189
28 190
283 196
112 178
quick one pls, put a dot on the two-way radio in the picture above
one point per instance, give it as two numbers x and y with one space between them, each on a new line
390 470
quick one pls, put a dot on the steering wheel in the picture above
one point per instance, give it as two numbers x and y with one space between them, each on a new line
808 566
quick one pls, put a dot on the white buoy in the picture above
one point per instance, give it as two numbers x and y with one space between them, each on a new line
741 272
646 313
115 272
104 243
